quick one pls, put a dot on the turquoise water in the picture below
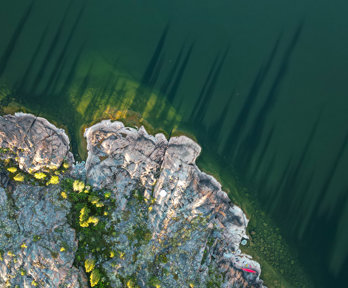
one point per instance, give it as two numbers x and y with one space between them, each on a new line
261 83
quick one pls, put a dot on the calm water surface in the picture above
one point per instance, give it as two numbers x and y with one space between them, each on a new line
263 84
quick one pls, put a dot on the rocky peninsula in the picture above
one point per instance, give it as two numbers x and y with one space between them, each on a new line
137 213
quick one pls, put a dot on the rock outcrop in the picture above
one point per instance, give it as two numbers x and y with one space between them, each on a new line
34 142
172 224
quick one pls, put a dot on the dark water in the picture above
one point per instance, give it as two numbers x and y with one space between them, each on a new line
261 83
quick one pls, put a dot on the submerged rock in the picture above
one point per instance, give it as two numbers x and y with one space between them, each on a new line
172 224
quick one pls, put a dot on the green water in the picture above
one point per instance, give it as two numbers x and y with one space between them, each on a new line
260 84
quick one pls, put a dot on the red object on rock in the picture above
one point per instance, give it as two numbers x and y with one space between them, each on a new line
248 270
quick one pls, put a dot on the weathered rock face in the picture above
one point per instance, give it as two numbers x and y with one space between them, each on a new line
33 225
193 226
33 232
34 141
173 226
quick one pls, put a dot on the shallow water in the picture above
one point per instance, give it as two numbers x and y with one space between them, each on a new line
261 84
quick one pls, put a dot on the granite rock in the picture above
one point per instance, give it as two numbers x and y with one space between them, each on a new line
34 229
192 224
172 223
33 142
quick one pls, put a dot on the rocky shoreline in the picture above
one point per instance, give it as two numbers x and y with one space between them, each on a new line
165 223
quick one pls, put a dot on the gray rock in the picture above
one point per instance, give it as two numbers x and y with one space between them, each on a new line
172 223
36 217
33 142
192 223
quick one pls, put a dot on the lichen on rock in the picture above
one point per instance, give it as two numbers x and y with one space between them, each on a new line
138 213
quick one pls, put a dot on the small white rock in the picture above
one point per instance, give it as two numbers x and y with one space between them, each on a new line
163 193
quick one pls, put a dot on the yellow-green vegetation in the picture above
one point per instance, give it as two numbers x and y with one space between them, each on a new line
31 176
24 246
93 220
19 177
95 277
89 265
94 199
89 220
78 186
52 167
84 217
40 175
54 180
131 284
12 169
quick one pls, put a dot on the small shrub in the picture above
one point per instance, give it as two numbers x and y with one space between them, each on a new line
78 186
19 177
12 169
54 180
93 220
89 265
95 277
40 175
84 214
